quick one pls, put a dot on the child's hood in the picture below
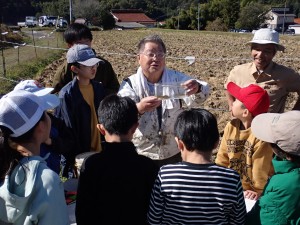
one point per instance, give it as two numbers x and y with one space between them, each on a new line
17 189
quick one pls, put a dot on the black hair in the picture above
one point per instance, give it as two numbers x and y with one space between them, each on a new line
69 65
10 157
197 129
151 38
283 155
76 32
117 114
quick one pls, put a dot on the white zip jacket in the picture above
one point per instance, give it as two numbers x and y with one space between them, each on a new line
154 137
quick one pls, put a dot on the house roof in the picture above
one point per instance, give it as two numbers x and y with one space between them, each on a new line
282 14
297 20
127 15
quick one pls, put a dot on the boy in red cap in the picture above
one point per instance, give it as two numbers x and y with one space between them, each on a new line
239 148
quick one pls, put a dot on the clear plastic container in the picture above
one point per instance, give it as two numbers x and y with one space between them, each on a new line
170 91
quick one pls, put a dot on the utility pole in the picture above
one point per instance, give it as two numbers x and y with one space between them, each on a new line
198 15
70 4
178 17
284 17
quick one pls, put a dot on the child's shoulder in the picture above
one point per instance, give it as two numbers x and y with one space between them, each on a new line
232 125
65 89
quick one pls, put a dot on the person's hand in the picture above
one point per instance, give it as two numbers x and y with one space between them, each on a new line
192 87
148 104
251 195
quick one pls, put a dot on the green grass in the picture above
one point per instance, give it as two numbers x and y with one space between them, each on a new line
27 62
27 70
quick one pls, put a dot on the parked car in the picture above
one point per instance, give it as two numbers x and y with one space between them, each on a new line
47 21
244 31
290 31
62 23
21 24
31 21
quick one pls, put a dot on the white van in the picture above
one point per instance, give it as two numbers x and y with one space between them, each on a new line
47 21
31 21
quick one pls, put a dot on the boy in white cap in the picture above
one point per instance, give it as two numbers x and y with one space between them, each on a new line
30 193
80 100
240 149
280 201
276 79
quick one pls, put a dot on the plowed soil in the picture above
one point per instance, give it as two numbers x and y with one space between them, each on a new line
216 54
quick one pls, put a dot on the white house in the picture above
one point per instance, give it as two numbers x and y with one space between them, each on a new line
280 18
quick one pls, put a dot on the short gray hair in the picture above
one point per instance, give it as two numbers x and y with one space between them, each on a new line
151 38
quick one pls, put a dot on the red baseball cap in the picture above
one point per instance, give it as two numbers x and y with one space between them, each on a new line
255 98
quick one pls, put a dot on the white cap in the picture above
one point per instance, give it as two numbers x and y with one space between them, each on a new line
33 86
21 110
266 36
82 54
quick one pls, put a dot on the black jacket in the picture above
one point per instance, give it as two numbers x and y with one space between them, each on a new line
115 186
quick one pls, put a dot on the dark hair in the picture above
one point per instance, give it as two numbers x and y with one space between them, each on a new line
76 32
69 65
197 129
10 157
283 155
151 38
117 114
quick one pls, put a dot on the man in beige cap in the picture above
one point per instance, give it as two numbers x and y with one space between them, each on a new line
277 79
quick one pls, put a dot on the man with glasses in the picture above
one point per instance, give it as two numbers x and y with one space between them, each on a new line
154 137
276 79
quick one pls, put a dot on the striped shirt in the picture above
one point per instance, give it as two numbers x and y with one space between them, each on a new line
186 193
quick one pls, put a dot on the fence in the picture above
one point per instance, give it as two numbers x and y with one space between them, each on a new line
42 43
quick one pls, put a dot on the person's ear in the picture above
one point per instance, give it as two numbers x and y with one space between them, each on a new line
180 144
101 129
74 69
69 45
246 113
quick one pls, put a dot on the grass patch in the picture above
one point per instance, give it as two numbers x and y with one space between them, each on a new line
27 70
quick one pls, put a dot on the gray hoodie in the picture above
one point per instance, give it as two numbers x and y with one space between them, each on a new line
32 194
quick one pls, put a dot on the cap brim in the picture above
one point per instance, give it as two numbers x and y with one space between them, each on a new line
264 42
90 62
234 90
261 126
50 101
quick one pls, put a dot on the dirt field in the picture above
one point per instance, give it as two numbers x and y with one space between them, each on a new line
216 54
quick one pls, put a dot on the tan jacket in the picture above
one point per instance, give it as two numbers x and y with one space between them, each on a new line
250 157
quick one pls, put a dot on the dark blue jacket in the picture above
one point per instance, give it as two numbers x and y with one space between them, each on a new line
76 113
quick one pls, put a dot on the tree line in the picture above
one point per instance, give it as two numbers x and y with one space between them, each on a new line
177 14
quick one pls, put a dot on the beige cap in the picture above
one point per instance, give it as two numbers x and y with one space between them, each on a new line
266 36
282 129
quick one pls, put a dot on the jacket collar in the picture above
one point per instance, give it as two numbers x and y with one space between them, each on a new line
283 166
